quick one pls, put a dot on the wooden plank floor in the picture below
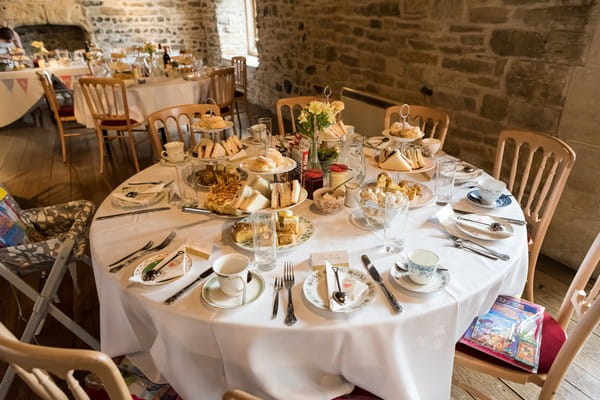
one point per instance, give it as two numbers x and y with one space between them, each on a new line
32 168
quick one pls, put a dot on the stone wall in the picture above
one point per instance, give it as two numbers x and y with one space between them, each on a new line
490 63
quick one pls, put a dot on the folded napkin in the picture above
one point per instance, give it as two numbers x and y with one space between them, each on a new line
353 288
143 196
174 269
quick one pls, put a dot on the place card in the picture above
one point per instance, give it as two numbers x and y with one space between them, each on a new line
201 249
338 258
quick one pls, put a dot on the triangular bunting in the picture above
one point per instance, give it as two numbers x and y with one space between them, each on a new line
8 83
66 79
23 82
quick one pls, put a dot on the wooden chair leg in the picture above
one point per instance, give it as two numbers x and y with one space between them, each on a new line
61 135
237 113
133 150
101 144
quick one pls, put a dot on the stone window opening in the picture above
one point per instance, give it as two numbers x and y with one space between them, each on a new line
236 24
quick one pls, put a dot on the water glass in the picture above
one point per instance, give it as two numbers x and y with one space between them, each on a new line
395 220
265 130
445 172
264 239
187 193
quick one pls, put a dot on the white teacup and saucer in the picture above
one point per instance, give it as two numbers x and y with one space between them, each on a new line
173 154
233 285
420 272
489 194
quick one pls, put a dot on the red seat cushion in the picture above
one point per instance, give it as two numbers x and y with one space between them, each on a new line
117 122
66 111
358 394
224 110
553 337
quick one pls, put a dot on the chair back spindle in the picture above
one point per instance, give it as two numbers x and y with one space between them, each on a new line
290 107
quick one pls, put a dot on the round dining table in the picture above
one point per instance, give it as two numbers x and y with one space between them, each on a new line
202 351
21 90
156 93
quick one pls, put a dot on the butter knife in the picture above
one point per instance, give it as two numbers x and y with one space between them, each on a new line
510 220
396 307
171 299
134 212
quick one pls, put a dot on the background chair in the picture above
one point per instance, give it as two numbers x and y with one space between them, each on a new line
34 364
176 120
290 107
552 160
106 99
241 88
222 90
434 123
60 113
553 366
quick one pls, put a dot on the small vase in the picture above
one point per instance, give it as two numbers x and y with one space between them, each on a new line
313 176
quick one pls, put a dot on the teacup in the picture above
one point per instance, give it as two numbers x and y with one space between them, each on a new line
422 264
432 145
173 152
232 272
490 190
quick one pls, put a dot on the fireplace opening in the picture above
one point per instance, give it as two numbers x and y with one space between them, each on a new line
64 37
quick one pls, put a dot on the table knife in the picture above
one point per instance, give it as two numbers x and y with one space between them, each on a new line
377 278
134 212
511 220
174 297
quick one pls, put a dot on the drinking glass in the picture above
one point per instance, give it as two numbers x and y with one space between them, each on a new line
445 172
353 157
188 194
395 219
264 239
265 126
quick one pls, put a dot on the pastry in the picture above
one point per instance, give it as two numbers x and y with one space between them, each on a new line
402 130
285 238
263 164
275 155
242 232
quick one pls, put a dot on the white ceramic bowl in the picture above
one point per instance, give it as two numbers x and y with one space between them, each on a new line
329 206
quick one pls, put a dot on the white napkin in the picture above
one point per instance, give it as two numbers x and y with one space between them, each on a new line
174 269
144 199
353 288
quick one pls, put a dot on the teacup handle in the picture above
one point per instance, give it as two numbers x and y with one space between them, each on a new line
244 284
164 154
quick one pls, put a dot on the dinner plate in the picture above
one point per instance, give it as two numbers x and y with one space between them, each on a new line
213 296
315 291
429 165
154 260
474 198
438 281
399 139
306 231
479 231
461 176
287 165
148 199
197 128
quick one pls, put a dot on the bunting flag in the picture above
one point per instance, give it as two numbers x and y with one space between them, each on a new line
23 82
8 83
66 79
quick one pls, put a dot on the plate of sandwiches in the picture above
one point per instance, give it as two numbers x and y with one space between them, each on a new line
403 133
209 149
239 197
210 123
292 231
270 163
407 160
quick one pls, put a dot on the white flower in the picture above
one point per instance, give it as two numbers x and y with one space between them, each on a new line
337 106
315 107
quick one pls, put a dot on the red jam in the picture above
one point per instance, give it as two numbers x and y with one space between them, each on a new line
338 168
313 180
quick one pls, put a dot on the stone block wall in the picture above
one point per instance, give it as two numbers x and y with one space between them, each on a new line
490 63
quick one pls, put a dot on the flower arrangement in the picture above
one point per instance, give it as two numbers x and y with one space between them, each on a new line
319 113
149 48
38 47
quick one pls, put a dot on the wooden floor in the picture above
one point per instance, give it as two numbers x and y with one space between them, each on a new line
32 168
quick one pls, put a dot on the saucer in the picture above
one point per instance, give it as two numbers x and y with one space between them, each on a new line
167 163
213 296
462 176
438 281
482 232
474 198
152 262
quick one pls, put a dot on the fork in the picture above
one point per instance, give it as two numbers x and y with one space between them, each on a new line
160 246
145 247
277 286
288 280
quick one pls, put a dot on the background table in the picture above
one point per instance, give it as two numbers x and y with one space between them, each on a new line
144 99
202 350
21 90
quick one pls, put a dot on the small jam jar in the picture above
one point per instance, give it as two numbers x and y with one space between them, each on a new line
338 174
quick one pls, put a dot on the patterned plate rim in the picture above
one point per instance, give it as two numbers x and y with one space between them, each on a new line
313 279
142 264
255 275
396 275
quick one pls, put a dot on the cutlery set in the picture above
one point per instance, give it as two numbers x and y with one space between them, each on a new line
287 281
142 252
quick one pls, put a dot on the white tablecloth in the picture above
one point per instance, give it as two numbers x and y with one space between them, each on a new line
202 351
21 90
144 99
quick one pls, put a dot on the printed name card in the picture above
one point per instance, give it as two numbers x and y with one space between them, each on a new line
338 258
200 249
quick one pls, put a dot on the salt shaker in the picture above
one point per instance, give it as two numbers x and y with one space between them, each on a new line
351 194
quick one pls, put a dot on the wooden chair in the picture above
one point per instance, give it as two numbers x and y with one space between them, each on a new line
34 364
106 99
222 90
554 160
587 309
293 105
237 394
180 118
241 88
434 123
60 114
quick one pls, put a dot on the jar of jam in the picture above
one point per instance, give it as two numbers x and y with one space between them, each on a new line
338 174
313 180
